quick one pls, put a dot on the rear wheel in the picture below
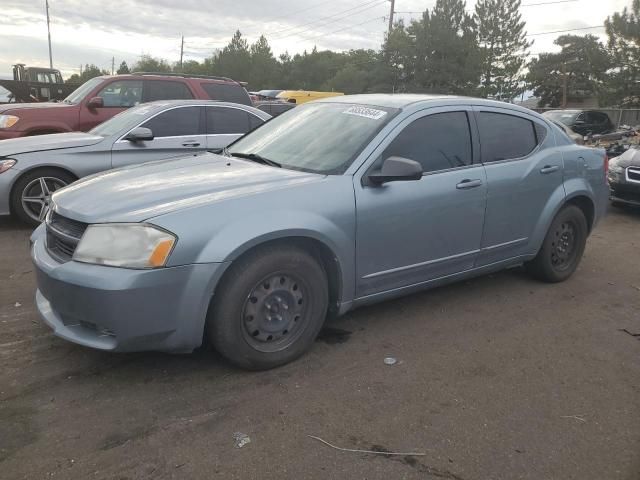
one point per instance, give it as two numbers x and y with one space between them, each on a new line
562 248
32 192
269 307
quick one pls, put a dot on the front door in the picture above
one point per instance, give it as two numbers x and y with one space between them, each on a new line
178 131
523 170
116 97
409 232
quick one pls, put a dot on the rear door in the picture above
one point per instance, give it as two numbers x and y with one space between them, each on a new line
226 124
177 131
165 90
524 171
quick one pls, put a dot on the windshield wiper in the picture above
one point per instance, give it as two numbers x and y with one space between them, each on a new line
257 158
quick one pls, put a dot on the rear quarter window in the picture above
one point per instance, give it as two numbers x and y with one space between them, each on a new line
227 92
504 136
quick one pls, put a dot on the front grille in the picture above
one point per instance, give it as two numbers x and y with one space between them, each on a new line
633 174
63 235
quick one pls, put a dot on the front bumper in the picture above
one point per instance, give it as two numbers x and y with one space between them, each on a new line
6 183
623 191
120 309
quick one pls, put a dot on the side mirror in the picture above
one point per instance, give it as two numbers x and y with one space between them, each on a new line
139 134
96 102
396 169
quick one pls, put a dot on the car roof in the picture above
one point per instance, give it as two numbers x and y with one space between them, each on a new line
159 105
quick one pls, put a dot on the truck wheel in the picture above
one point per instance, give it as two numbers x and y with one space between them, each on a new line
269 308
562 248
31 193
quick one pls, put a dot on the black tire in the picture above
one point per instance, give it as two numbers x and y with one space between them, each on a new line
269 307
562 248
54 179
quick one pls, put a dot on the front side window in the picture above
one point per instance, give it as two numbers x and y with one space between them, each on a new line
504 136
176 122
227 92
221 121
438 142
165 90
122 93
317 137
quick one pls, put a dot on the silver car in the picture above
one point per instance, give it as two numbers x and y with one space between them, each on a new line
31 168
336 204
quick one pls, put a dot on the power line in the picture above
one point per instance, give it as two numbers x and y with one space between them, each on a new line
564 31
345 28
522 5
350 11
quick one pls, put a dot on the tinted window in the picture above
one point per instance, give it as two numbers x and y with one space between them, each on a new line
165 90
505 136
438 142
123 93
227 92
599 117
254 122
222 120
176 122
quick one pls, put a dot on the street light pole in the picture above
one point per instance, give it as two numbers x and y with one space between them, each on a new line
46 3
393 7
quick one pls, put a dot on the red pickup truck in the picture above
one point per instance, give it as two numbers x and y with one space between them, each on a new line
102 97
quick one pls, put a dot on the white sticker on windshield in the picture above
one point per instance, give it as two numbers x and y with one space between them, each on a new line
365 112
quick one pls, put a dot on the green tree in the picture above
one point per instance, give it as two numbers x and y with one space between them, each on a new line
147 63
123 68
623 30
88 72
397 64
264 66
447 58
503 45
581 66
235 59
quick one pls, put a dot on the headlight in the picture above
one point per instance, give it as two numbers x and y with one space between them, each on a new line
128 245
6 164
615 168
7 121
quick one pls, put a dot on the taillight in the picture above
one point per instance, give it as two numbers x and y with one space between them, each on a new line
606 167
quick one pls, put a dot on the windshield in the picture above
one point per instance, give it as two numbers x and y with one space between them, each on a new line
79 93
316 137
123 121
561 116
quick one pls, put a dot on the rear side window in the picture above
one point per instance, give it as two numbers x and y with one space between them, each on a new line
504 136
227 92
254 122
176 122
165 90
438 142
221 120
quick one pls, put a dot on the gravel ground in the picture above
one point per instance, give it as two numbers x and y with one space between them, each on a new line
500 377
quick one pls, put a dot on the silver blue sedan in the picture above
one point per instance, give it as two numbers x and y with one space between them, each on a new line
32 168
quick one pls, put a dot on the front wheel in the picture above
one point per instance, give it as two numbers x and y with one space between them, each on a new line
269 308
562 248
31 194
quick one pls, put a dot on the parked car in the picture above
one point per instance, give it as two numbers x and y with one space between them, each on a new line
103 97
337 204
304 96
32 168
575 137
274 108
624 178
583 122
268 94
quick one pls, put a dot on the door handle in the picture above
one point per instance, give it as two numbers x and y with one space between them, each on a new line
467 183
191 144
549 169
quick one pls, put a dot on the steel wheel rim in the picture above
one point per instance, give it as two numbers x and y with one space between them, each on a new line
563 245
274 313
36 196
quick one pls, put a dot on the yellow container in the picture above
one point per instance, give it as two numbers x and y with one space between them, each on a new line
303 96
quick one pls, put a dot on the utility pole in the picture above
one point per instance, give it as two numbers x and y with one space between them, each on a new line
46 3
564 84
113 64
181 51
393 7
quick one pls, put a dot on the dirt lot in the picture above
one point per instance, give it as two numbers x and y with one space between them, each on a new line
498 378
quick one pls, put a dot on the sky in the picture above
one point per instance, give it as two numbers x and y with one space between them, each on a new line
97 31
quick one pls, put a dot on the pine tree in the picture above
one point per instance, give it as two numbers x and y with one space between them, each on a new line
123 68
264 66
503 45
235 59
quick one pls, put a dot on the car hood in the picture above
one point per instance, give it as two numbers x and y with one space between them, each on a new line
54 141
140 192
13 107
630 158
